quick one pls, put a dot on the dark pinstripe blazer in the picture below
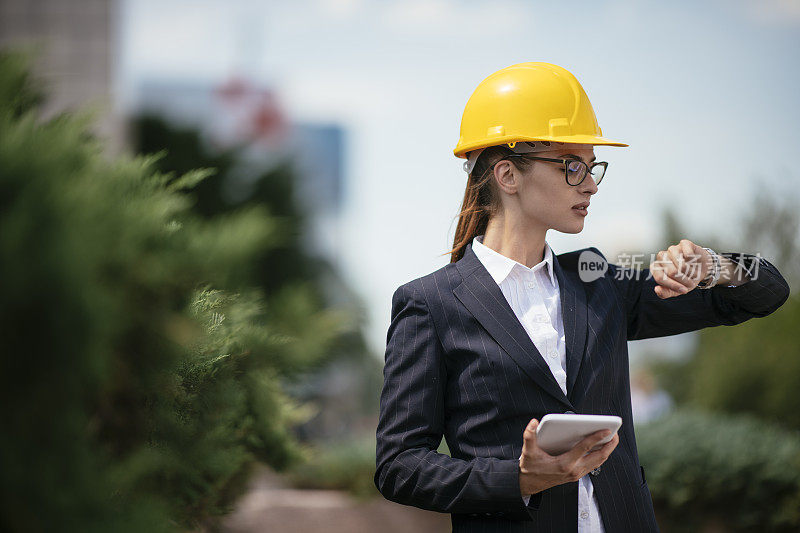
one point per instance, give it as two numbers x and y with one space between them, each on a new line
459 364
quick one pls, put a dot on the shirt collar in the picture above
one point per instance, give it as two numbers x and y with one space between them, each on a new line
500 266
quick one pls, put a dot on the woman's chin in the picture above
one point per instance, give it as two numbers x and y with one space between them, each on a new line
570 227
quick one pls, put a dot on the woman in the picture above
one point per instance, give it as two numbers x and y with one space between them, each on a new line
479 350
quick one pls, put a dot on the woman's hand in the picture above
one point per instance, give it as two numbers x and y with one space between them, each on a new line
679 268
539 470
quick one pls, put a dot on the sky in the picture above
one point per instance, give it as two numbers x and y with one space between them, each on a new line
704 92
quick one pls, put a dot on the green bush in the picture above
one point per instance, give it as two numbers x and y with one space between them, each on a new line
346 465
752 368
734 470
139 375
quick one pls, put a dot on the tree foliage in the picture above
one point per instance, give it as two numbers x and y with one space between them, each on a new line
753 367
140 373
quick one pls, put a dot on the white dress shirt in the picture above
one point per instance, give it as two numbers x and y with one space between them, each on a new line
533 295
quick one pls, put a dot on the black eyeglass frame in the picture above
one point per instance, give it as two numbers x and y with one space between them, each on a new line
565 162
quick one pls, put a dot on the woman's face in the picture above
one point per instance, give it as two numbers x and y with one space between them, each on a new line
543 196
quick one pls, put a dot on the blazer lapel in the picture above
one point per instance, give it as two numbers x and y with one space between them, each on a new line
574 315
483 298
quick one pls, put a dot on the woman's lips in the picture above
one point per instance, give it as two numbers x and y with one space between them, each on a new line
583 211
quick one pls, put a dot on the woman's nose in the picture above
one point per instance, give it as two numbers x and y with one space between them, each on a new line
588 185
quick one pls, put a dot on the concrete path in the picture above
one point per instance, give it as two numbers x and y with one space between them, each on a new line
270 506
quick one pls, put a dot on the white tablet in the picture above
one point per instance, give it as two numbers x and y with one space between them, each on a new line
558 433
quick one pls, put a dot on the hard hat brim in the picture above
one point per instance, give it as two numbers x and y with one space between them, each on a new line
461 151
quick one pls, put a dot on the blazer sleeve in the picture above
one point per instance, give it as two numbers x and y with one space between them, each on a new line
649 316
409 470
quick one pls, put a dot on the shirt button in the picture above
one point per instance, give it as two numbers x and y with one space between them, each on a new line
531 285
584 515
553 355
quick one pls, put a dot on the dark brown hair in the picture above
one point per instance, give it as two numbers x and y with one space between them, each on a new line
481 198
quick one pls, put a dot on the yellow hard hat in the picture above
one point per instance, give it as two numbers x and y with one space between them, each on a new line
529 102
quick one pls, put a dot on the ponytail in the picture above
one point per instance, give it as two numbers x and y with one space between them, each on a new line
481 199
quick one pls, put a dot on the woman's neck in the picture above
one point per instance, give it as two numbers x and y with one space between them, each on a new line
520 243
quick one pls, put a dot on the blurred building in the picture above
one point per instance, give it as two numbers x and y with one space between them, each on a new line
240 114
76 43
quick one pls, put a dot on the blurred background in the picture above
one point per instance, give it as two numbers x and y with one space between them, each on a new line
207 205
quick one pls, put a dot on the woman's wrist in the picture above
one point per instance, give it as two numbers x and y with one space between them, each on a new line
526 487
731 274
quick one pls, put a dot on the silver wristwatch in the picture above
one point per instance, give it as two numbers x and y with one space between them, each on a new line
713 276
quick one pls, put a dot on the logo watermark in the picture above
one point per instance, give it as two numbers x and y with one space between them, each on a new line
592 266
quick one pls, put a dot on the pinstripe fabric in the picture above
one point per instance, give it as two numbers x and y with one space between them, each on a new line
460 365
533 295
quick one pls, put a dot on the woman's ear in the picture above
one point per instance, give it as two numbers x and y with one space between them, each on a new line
506 176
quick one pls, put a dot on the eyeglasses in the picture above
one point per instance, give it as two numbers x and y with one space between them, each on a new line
575 170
